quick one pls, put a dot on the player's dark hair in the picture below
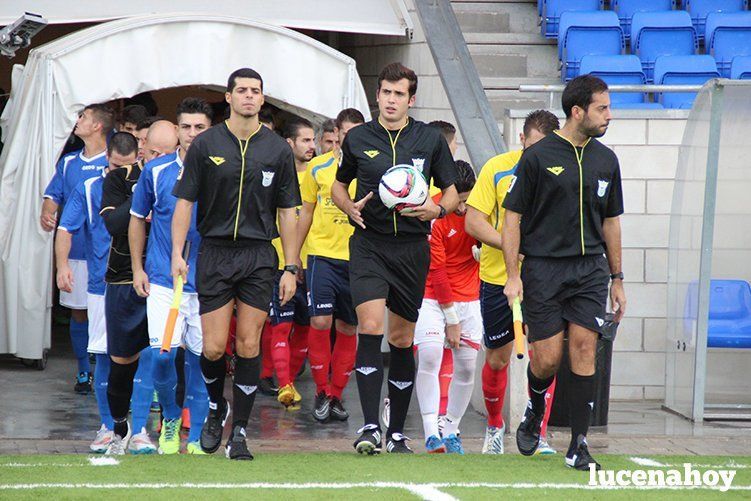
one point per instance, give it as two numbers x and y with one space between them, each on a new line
242 73
328 126
266 116
541 120
350 115
579 92
133 114
447 129
147 122
396 71
104 115
465 177
124 143
196 105
293 126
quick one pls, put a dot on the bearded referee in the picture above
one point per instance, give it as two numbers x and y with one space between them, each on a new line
562 214
389 251
243 176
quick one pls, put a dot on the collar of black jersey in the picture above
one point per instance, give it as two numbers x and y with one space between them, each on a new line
405 129
260 133
557 134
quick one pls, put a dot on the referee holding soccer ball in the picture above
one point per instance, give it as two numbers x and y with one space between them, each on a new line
389 251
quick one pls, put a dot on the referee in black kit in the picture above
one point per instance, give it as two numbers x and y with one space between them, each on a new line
389 252
242 175
562 214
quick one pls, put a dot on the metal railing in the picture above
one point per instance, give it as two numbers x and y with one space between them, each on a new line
553 89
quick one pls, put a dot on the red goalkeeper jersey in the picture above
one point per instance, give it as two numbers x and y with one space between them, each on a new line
454 274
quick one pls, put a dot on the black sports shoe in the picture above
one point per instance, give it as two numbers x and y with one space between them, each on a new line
268 387
579 458
321 407
369 441
528 432
83 383
338 411
213 427
236 447
397 444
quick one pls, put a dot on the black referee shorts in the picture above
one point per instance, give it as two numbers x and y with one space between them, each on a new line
392 270
229 269
125 318
558 291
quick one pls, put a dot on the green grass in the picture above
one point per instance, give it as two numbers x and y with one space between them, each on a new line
276 468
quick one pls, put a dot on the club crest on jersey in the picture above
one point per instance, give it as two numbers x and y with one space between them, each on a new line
418 163
602 187
267 178
371 153
556 170
217 160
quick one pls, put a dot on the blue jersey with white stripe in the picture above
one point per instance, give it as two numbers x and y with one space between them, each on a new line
70 171
153 195
81 218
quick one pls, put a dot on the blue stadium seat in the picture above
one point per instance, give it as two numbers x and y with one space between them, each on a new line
540 7
655 34
587 34
683 70
699 9
740 68
728 36
729 313
627 8
552 10
619 70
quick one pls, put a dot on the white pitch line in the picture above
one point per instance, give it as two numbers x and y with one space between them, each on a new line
429 493
103 461
36 465
646 462
364 485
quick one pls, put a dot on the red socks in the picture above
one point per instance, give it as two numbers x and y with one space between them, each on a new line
298 349
548 407
342 363
319 352
280 352
445 373
494 390
267 365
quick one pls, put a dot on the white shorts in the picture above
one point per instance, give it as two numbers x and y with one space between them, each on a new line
97 324
188 326
76 299
431 324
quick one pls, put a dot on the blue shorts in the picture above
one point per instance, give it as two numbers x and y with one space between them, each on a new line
497 318
125 317
296 309
328 289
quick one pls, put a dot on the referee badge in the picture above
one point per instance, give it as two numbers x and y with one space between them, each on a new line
418 163
267 178
602 187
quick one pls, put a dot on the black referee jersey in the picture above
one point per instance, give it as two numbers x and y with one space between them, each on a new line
563 193
370 150
238 184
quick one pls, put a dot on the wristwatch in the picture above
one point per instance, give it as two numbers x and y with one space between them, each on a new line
442 212
617 275
292 268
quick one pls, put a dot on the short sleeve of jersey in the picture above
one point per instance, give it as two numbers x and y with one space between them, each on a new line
188 180
347 170
483 195
522 187
443 167
54 189
615 199
74 212
143 196
309 187
288 195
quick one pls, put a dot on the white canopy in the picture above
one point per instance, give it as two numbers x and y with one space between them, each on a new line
120 59
378 17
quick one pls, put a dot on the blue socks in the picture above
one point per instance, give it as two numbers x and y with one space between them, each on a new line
101 376
143 390
79 338
196 396
165 382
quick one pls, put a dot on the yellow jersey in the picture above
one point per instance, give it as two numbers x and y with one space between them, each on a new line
487 197
277 242
330 230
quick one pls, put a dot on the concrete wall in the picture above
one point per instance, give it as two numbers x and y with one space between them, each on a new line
647 144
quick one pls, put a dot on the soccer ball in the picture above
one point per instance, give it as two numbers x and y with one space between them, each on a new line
402 186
